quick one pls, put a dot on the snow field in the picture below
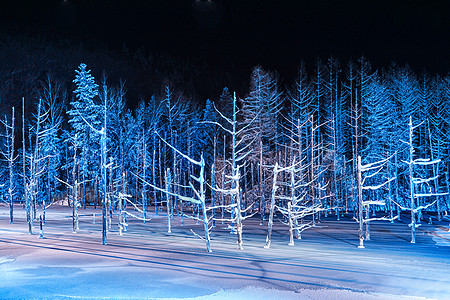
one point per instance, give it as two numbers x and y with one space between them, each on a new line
149 263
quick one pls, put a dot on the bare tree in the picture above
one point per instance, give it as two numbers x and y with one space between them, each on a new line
197 198
373 169
9 157
293 204
238 153
416 182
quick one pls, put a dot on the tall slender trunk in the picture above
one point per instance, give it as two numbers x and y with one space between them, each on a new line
35 164
203 204
311 185
391 213
11 167
360 204
411 183
261 184
103 158
110 193
84 176
168 187
435 171
144 186
121 196
104 196
160 168
25 185
213 193
291 224
367 208
154 176
335 183
238 213
74 191
272 205
223 180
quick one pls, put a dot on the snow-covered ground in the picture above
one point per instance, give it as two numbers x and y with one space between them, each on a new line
441 236
148 262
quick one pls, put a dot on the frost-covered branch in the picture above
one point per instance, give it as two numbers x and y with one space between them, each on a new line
376 187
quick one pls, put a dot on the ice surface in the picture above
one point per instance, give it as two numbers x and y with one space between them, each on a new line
441 236
302 294
148 263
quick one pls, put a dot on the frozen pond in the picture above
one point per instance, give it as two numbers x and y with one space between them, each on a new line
148 262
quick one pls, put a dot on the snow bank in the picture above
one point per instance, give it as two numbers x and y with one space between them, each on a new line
4 260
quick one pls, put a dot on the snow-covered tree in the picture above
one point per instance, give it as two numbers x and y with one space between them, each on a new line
300 97
368 180
174 112
260 118
90 120
293 202
84 110
261 109
416 181
9 156
198 188
239 151
53 98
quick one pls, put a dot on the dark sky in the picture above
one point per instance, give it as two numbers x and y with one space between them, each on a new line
236 34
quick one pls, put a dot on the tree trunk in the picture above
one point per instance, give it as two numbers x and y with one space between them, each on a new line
272 205
411 183
74 191
360 204
168 179
104 200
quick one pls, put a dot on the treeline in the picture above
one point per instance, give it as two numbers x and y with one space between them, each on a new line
343 138
27 59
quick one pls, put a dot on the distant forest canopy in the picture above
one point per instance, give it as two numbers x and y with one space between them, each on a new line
27 59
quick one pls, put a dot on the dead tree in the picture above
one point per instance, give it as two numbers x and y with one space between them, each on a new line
293 205
416 182
198 196
8 155
238 153
374 169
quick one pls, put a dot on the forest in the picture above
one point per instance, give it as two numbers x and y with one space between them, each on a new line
345 138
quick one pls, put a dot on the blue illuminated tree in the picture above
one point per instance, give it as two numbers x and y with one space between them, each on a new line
83 106
53 97
260 119
261 108
9 156
85 111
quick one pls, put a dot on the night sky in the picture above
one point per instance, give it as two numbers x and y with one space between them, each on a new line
235 35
